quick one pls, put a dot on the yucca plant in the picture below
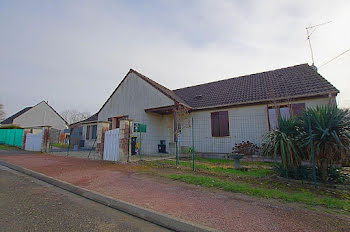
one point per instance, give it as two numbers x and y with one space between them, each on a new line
330 128
283 142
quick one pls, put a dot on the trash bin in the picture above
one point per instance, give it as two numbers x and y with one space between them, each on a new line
133 145
162 147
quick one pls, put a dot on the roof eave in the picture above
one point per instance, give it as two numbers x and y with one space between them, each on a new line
323 94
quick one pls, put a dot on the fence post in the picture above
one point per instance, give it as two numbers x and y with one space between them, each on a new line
312 152
192 146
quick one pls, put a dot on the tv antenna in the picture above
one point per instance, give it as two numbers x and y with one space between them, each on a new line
310 30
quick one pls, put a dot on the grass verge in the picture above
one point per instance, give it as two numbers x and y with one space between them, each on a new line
227 161
60 145
218 169
7 147
301 197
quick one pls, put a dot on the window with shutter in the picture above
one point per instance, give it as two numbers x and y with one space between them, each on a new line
276 112
215 127
87 132
220 124
94 132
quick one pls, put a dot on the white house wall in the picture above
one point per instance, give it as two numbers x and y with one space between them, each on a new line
40 115
133 96
245 123
90 142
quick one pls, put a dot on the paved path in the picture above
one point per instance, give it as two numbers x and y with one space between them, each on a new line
216 209
28 204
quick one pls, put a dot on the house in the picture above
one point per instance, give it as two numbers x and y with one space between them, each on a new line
37 117
88 133
224 112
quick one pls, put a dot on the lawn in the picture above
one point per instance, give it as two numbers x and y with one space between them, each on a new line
301 197
257 180
60 145
7 147
221 169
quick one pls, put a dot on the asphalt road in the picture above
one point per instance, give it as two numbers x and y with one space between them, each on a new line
27 204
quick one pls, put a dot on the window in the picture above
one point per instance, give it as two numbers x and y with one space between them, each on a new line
87 132
94 132
219 124
275 112
298 109
283 111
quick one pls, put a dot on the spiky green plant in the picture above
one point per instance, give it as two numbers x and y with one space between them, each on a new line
283 142
330 132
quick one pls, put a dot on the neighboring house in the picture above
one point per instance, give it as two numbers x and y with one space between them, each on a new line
224 112
37 117
64 136
92 131
89 132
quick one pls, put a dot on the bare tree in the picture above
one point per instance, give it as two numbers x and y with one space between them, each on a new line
2 113
73 116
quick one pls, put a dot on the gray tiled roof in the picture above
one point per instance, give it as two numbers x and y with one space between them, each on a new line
296 81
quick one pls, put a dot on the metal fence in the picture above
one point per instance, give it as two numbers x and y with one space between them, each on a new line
75 147
12 137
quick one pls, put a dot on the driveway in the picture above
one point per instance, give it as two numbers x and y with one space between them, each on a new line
28 204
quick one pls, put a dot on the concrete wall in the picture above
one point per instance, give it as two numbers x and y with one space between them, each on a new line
245 123
132 98
40 115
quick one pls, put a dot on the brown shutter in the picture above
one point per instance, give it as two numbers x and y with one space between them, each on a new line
215 127
224 124
87 132
298 108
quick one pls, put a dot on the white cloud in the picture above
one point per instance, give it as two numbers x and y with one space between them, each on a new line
75 54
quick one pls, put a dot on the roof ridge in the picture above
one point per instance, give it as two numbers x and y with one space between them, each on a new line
242 76
293 81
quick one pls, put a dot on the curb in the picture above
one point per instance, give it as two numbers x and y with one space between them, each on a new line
152 216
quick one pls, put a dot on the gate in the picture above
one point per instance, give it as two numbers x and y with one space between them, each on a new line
111 145
34 141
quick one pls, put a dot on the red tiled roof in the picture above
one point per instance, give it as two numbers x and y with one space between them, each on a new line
291 82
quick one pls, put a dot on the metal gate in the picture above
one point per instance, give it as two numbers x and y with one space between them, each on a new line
111 145
34 141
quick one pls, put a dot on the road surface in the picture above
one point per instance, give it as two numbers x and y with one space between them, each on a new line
27 204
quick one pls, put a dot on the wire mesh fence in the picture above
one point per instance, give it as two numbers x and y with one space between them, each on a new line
197 133
74 147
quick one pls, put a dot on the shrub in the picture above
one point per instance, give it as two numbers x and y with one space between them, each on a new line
283 142
334 175
246 148
11 127
330 133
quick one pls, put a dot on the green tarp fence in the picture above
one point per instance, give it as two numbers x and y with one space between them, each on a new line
13 137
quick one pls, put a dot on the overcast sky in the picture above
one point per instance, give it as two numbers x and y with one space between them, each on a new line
75 53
